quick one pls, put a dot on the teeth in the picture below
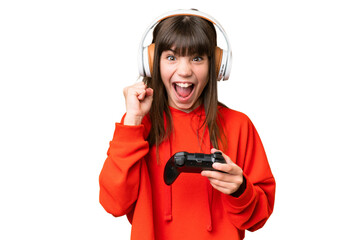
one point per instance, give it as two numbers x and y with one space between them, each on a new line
183 85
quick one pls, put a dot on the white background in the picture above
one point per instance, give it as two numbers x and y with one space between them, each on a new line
63 65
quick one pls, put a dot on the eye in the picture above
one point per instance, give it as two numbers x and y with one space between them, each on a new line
197 59
171 58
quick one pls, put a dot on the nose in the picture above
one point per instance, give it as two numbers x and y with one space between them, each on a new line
184 67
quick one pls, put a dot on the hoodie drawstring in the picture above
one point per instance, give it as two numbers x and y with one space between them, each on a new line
168 189
168 216
210 201
168 210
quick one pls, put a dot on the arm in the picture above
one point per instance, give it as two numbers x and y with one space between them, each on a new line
254 206
120 177
249 190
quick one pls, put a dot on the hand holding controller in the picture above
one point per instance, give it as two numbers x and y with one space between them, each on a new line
190 163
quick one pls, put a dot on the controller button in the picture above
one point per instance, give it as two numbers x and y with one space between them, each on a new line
180 161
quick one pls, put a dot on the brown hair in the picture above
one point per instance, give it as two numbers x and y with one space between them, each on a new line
190 35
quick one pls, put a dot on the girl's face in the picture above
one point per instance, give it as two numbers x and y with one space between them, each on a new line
184 77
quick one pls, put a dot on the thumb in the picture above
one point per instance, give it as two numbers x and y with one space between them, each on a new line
149 92
145 94
148 97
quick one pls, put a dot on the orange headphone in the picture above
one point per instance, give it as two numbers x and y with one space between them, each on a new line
223 58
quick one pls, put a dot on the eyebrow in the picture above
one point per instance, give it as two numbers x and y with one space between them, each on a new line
174 51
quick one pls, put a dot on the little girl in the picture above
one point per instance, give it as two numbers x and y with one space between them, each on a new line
176 109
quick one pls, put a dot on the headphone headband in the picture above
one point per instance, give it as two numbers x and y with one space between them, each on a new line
226 59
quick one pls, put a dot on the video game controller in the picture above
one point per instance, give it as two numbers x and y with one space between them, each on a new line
190 163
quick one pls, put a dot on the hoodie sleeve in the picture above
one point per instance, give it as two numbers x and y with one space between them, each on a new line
120 176
254 206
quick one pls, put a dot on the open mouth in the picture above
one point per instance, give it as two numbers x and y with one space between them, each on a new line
183 90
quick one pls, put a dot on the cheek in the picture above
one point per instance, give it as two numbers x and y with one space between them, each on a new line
164 71
203 78
203 73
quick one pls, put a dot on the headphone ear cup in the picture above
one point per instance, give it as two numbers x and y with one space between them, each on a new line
150 55
218 62
218 57
222 66
228 56
147 61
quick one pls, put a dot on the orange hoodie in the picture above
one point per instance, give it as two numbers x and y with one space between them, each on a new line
131 181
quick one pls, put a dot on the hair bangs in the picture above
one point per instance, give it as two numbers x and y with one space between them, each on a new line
187 37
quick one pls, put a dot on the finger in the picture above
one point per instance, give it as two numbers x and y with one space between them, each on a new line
218 175
224 188
213 150
224 167
140 87
222 184
231 168
226 157
137 87
141 94
149 92
146 94
133 91
149 95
